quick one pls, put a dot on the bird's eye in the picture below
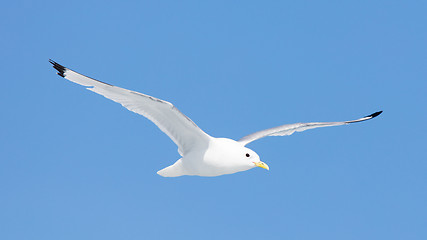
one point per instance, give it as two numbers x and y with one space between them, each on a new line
247 155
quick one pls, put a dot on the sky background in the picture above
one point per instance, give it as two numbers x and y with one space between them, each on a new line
74 165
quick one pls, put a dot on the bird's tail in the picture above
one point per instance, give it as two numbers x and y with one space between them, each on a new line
174 170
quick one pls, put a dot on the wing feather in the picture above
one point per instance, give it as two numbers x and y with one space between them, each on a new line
289 129
183 132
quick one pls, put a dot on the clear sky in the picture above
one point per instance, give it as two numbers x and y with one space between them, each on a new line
74 165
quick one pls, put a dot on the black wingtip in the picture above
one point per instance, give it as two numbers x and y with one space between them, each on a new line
374 114
61 69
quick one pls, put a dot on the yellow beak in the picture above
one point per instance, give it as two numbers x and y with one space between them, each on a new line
261 165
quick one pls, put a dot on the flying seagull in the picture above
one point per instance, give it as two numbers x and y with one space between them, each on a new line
202 155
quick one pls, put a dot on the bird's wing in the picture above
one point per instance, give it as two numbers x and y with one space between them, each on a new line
184 132
288 129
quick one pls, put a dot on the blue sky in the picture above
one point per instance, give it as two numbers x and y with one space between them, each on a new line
74 165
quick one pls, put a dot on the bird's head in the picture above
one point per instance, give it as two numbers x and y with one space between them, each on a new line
234 156
252 158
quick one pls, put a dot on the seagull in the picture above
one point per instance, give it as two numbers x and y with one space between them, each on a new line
201 154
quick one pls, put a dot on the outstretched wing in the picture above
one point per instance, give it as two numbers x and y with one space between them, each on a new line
288 129
184 132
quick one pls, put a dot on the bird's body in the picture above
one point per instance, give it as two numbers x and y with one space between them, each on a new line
202 155
221 156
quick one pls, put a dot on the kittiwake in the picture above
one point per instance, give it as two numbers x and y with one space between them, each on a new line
202 154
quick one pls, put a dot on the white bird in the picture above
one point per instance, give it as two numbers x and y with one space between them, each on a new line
202 154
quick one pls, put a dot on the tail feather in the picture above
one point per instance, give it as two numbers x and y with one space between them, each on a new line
174 170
